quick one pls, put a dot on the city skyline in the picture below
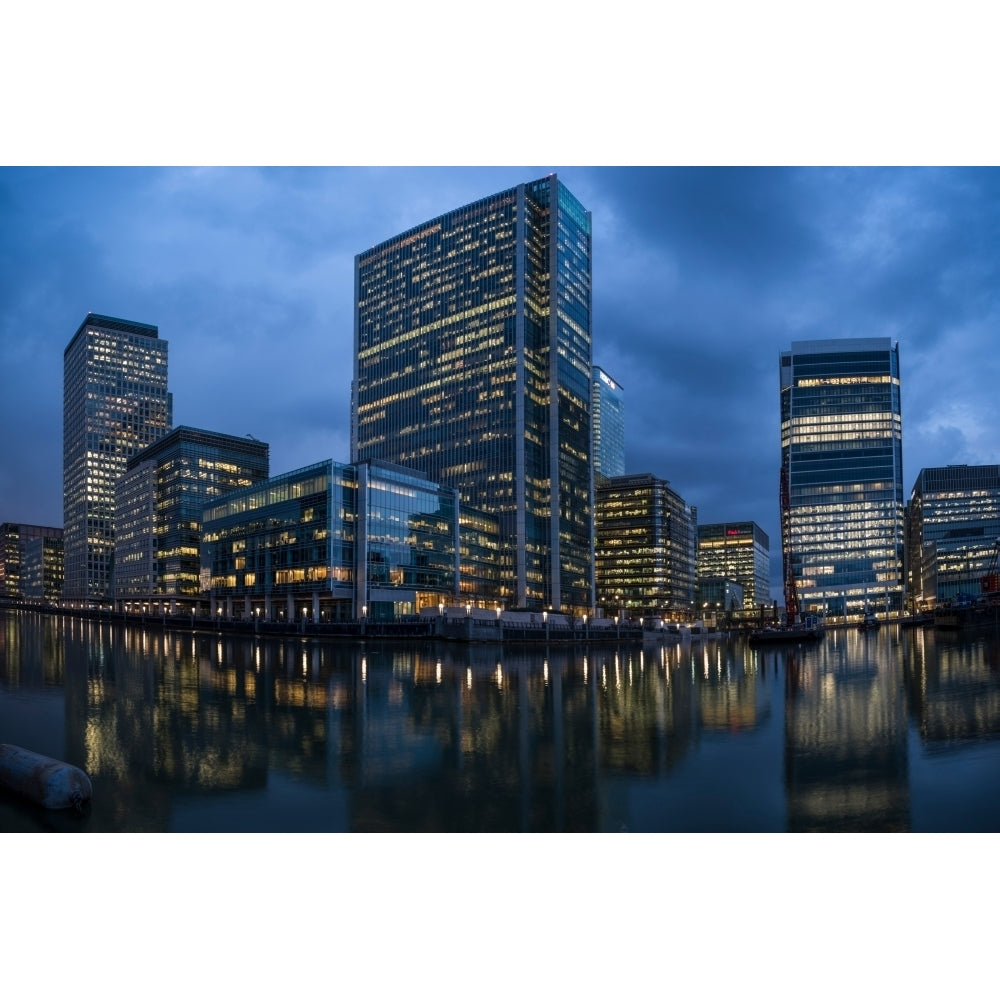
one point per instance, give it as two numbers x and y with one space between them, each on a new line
700 278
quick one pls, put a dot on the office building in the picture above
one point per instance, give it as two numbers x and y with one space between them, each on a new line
739 551
115 403
720 600
14 539
953 527
644 548
841 475
334 542
607 401
42 568
158 504
473 366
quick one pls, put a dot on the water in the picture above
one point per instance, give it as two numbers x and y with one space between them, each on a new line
889 731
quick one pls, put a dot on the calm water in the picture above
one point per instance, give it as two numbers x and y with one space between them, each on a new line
898 730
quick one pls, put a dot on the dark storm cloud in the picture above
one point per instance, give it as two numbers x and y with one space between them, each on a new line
701 277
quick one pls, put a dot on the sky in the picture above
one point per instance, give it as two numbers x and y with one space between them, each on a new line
701 277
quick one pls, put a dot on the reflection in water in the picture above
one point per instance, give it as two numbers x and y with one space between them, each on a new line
953 688
211 732
845 735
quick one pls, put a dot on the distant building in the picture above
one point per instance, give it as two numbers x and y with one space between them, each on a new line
158 503
336 542
42 568
718 598
841 474
952 529
473 366
607 399
739 551
14 538
115 403
644 548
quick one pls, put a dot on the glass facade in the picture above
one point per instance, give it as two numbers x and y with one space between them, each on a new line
841 468
342 541
739 551
472 366
608 415
14 541
644 548
42 572
158 504
115 403
953 526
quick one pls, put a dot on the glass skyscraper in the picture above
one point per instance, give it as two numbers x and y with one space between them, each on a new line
115 403
608 416
473 366
841 474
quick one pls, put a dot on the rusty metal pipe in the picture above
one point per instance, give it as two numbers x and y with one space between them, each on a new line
50 783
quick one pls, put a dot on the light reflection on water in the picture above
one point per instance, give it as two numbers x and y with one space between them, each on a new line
891 731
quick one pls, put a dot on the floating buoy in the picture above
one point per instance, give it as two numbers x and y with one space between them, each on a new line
50 783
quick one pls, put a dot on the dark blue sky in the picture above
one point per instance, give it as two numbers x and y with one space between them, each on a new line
700 278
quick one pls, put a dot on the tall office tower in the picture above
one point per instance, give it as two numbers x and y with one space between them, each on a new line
158 504
952 531
473 365
841 475
739 551
14 539
607 401
115 403
644 548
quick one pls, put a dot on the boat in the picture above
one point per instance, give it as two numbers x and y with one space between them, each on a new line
869 623
786 633
957 616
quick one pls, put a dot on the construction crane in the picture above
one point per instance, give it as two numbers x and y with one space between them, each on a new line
788 576
989 584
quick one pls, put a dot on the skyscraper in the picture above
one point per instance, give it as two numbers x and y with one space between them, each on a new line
608 417
841 474
115 403
473 365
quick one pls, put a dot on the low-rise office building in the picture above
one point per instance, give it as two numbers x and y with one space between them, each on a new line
739 551
644 555
952 530
333 542
14 538
43 568
158 503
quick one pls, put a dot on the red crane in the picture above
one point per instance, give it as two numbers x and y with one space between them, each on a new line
791 594
990 583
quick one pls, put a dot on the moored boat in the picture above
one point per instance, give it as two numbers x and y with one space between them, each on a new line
786 633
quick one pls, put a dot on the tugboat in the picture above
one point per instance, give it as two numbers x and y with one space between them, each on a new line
804 632
869 622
